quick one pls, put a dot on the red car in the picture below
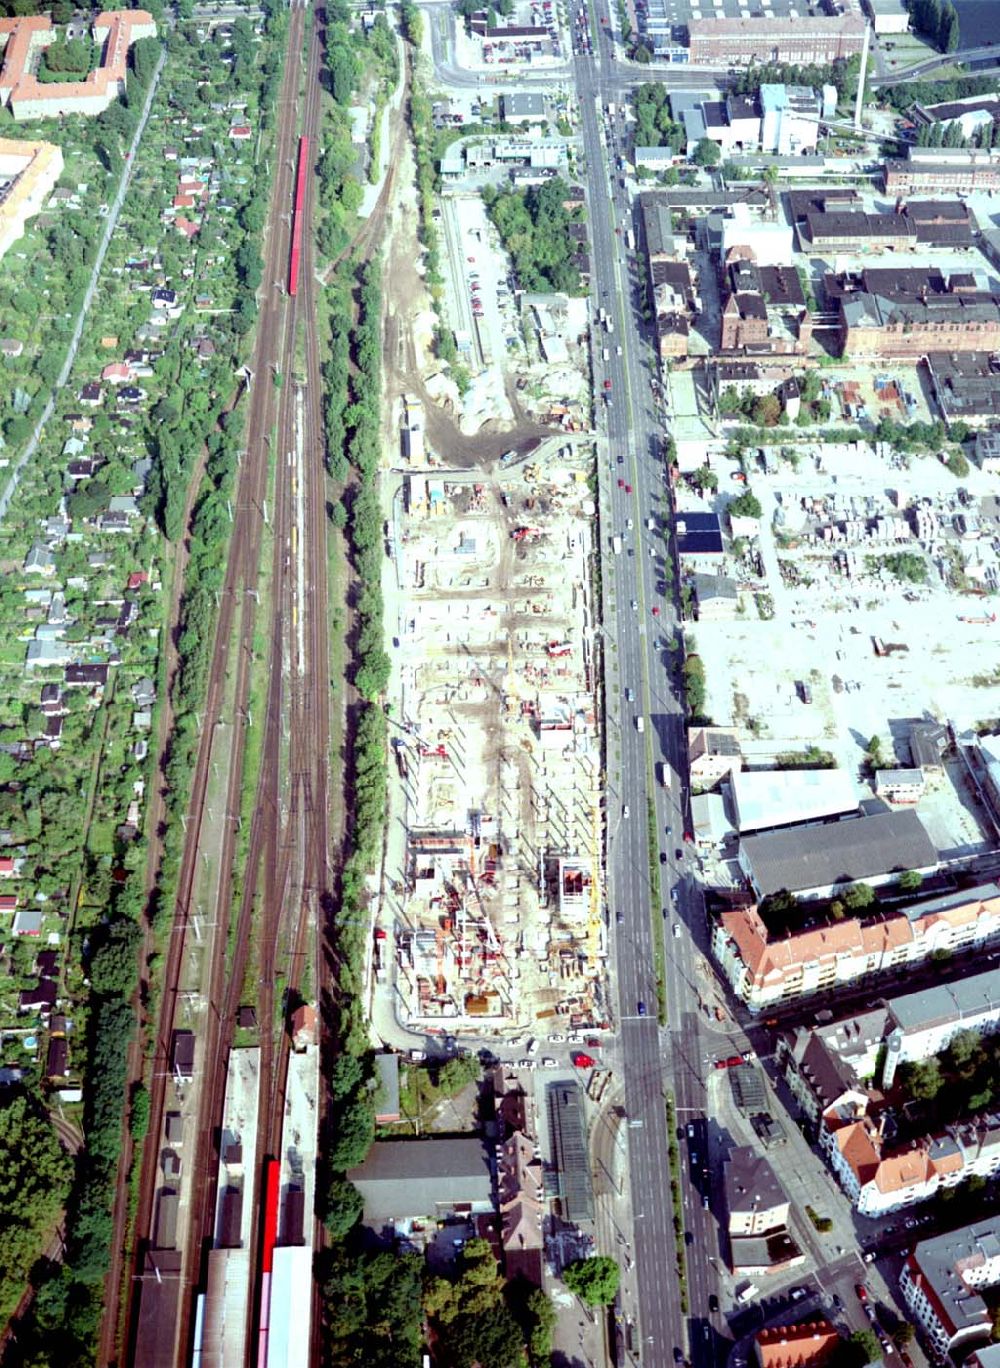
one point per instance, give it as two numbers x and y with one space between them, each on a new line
607 384
621 484
656 612
583 1061
628 489
862 1292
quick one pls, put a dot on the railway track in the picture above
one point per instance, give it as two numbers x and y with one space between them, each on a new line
237 600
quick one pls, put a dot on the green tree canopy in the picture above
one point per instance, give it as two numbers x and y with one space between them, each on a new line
707 153
595 1281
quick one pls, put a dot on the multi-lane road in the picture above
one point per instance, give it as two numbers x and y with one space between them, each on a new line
642 662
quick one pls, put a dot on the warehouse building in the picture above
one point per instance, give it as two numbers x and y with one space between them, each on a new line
778 798
406 1181
812 862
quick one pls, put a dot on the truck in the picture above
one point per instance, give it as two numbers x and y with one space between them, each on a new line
664 772
616 545
611 110
609 323
640 723
629 239
746 1292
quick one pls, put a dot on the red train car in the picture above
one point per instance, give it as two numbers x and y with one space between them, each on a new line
269 1237
298 214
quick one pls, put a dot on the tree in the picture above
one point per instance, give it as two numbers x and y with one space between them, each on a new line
766 410
948 32
965 1052
867 1344
859 896
704 478
341 1207
595 1281
910 880
923 1079
958 465
706 153
541 1317
745 505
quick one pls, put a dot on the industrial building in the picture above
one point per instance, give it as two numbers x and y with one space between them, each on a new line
28 175
777 798
407 1181
764 969
808 40
937 170
965 384
763 309
940 1283
813 862
871 325
23 39
888 16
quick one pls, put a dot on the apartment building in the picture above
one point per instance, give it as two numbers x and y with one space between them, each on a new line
31 170
713 752
765 970
939 172
941 1282
755 1200
22 41
809 1344
879 1180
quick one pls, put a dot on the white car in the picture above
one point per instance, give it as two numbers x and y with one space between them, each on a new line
549 1063
635 606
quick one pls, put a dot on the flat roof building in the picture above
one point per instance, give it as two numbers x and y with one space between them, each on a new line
804 41
776 798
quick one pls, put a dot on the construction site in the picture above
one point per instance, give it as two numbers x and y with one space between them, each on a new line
498 914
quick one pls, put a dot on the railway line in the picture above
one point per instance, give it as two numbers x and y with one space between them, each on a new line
237 616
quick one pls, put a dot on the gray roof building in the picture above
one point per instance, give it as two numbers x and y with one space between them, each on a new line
949 1003
803 859
940 1279
752 1186
404 1180
522 105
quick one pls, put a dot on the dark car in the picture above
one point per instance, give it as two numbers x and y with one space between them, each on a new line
678 1355
641 1008
713 1302
678 854
663 860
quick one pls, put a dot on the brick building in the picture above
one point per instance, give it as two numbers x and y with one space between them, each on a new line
737 42
763 310
958 321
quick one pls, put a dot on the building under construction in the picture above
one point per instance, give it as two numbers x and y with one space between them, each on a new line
502 919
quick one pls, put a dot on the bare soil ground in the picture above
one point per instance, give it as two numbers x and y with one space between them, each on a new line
408 360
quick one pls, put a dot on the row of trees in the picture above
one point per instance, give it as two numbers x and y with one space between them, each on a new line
937 20
843 74
534 227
